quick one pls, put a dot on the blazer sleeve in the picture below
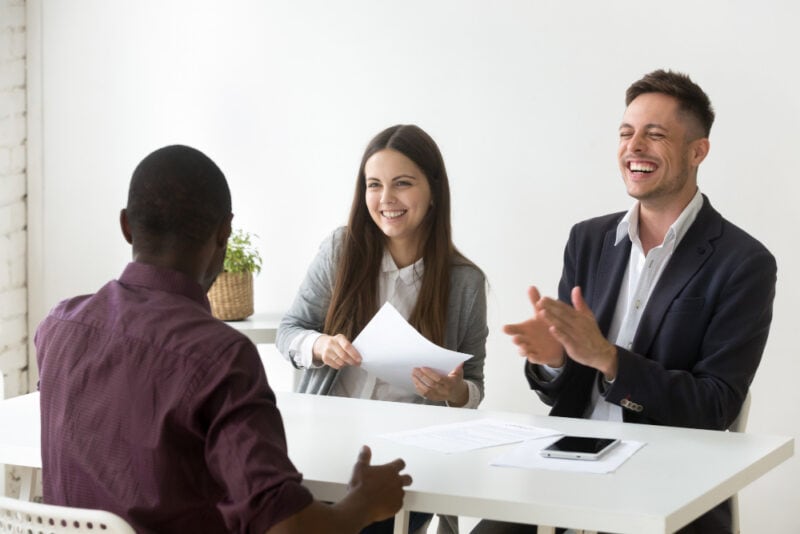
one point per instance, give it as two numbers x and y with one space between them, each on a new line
706 353
310 307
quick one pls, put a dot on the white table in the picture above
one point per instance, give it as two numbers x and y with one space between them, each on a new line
262 329
259 327
676 477
19 439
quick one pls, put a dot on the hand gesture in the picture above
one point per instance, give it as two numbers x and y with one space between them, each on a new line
378 487
576 329
436 387
533 337
335 351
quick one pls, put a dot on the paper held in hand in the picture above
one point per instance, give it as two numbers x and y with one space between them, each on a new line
390 348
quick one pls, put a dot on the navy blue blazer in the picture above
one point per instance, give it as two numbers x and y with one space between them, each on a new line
700 338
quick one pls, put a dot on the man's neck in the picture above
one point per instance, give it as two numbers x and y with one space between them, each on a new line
185 262
655 220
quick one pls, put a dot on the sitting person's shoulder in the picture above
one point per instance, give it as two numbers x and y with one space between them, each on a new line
330 247
465 272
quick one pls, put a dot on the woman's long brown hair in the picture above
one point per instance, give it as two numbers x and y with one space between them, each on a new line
355 292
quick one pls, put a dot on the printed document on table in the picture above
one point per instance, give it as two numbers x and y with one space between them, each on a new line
469 435
527 455
390 348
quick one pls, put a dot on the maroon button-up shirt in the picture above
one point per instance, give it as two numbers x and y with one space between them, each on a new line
154 410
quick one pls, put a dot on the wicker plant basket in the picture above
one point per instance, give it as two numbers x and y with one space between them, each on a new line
231 296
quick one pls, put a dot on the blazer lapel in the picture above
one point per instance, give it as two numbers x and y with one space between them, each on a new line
612 265
691 253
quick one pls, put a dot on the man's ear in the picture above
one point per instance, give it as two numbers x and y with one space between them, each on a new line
224 231
700 148
125 225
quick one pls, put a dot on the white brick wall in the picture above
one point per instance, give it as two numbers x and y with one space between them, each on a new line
13 217
13 235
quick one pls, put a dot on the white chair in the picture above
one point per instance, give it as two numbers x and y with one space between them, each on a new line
26 517
739 424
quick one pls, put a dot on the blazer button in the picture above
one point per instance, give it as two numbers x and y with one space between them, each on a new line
630 405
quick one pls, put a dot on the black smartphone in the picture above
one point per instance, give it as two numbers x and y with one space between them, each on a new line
579 447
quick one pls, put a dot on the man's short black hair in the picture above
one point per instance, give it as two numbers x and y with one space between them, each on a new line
692 100
177 195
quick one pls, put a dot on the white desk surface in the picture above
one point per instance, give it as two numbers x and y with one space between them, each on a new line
259 327
20 431
675 478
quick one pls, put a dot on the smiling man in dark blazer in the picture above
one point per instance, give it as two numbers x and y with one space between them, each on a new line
663 310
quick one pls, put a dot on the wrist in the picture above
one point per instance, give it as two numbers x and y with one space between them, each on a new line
316 349
353 514
460 395
557 363
611 366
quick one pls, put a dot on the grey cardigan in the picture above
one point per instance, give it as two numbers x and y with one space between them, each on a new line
466 329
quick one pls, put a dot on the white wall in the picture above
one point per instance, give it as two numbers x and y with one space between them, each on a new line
524 99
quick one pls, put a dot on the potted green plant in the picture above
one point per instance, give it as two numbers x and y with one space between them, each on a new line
231 295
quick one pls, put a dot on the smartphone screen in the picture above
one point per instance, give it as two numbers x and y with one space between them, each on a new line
579 447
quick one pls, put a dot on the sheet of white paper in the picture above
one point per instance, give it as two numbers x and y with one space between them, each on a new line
390 348
469 435
527 455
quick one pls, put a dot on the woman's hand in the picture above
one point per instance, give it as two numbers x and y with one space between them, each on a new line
335 351
433 386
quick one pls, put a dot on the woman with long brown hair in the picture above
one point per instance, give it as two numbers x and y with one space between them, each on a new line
397 247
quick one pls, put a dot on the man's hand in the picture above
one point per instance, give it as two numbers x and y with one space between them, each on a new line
576 329
375 493
379 488
433 386
335 351
533 337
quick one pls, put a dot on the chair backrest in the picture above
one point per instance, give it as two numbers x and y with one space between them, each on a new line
740 423
35 518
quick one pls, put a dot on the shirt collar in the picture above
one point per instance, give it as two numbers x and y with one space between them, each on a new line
629 225
409 274
163 279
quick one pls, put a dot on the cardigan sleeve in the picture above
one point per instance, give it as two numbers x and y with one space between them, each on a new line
467 327
307 313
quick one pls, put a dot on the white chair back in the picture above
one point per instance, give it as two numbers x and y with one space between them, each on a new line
20 517
739 425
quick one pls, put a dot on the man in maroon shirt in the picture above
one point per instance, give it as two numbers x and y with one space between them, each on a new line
154 410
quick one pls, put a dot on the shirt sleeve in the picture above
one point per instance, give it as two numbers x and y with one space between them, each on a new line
546 373
301 350
246 444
